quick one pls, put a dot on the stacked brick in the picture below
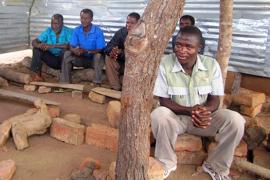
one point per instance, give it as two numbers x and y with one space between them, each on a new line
250 102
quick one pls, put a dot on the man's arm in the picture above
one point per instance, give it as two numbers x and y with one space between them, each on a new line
114 42
176 108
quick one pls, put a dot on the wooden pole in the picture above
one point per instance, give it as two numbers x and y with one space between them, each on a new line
144 48
225 36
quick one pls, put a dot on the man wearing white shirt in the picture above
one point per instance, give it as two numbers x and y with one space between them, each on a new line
189 86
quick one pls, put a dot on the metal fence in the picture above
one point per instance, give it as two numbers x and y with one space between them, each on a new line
14 20
251 37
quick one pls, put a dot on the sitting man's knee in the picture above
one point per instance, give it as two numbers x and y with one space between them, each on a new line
160 112
67 54
235 119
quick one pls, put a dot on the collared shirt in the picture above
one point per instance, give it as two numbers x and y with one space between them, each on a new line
92 40
118 40
49 37
173 82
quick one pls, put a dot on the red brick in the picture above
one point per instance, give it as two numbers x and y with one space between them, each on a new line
54 111
240 151
7 169
44 89
28 87
188 142
191 158
155 169
102 136
67 131
114 113
248 98
250 111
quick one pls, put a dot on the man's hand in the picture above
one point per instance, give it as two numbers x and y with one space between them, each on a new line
79 51
201 117
45 47
114 53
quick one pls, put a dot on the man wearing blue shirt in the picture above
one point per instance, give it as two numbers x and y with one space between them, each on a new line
85 46
49 46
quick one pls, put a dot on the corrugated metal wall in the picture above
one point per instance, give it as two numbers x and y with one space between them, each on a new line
14 20
251 37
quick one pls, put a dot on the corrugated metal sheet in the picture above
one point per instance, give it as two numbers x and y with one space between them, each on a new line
250 47
14 20
251 37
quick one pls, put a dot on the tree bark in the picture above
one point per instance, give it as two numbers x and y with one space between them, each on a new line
144 48
225 36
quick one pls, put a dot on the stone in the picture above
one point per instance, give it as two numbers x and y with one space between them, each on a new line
54 111
76 118
250 111
155 169
102 136
44 89
28 87
77 94
248 98
240 151
7 169
87 161
261 157
101 174
67 131
5 128
98 98
188 142
191 158
263 120
114 113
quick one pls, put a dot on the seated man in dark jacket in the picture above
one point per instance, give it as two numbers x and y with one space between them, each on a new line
184 21
115 56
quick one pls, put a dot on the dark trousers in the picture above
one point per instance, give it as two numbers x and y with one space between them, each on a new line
47 57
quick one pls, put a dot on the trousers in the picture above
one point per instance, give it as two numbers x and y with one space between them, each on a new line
227 127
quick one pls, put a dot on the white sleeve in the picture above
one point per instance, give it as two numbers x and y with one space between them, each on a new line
161 86
217 83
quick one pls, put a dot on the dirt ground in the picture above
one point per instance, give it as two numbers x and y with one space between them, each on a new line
50 159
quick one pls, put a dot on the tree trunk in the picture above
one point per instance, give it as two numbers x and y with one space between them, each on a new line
225 35
145 46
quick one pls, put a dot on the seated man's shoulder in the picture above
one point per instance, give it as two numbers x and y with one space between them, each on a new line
208 61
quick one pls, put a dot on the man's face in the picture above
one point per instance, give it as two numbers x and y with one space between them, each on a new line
184 23
86 19
131 22
186 48
56 25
